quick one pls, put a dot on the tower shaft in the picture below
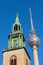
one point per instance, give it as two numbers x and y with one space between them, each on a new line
36 62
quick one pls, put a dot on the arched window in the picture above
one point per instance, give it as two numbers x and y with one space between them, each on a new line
15 27
19 27
13 60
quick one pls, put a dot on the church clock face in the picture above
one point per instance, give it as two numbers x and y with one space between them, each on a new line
15 42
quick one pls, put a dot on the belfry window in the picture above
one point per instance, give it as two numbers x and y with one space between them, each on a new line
13 60
15 27
19 27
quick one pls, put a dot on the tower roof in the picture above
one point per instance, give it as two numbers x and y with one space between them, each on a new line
17 20
18 24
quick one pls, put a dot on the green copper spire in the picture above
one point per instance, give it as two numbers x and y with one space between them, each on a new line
17 19
16 39
17 25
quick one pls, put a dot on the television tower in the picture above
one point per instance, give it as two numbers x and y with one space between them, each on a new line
34 41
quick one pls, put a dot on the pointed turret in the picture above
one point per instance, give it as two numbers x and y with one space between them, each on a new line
17 28
17 19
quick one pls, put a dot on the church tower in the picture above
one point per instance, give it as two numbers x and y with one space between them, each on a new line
16 54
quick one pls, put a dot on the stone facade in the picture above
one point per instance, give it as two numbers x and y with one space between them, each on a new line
20 54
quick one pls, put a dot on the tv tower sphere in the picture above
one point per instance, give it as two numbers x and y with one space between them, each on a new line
33 40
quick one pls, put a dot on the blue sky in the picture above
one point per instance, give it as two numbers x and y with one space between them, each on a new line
8 10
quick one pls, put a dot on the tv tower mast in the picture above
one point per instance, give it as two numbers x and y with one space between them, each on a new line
34 41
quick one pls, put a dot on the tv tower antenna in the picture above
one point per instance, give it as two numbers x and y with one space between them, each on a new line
31 21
